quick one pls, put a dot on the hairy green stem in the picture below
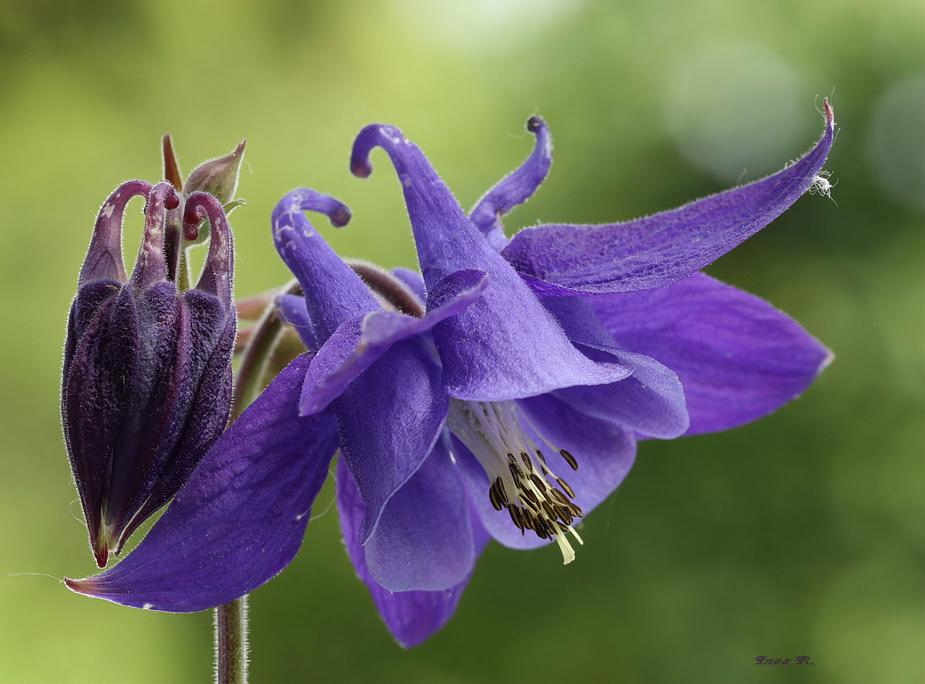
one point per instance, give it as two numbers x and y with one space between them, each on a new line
231 642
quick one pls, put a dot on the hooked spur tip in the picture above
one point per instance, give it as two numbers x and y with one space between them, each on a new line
535 123
361 168
340 217
164 193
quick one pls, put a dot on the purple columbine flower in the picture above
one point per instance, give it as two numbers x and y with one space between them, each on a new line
457 421
147 375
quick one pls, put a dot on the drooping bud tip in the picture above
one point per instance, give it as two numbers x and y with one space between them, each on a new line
101 553
103 544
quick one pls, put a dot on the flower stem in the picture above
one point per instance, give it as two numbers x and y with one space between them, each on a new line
231 642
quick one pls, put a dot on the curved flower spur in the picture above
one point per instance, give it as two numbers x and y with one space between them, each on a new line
147 367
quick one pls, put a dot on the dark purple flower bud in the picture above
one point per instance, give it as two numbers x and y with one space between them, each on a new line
147 367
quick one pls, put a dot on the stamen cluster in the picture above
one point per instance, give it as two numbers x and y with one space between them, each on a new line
520 476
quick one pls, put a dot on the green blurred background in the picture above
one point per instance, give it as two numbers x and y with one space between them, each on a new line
801 534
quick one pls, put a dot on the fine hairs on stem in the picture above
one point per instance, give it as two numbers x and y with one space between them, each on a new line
231 647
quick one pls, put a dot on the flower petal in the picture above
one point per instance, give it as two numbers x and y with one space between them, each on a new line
515 189
411 616
424 537
650 401
506 345
150 266
201 416
359 342
662 249
738 357
218 270
239 520
389 419
96 398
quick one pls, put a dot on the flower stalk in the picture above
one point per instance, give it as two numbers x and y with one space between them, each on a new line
231 642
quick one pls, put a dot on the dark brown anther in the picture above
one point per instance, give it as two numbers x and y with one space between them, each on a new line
565 486
558 495
511 459
550 511
548 527
569 459
516 471
539 482
528 462
532 497
516 517
528 520
493 497
564 515
502 494
575 510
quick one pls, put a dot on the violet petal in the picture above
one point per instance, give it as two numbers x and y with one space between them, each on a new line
411 616
650 401
659 250
424 537
104 258
389 418
360 341
333 292
239 520
737 356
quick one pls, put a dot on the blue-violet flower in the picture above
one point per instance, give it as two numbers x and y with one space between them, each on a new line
460 405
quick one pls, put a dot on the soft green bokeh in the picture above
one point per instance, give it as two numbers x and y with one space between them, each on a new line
801 534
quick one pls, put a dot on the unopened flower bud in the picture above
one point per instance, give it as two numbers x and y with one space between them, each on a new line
147 368
218 177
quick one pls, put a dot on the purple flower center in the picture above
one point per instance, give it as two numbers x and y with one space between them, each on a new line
522 481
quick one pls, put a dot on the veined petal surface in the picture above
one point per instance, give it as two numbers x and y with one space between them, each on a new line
659 250
239 520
